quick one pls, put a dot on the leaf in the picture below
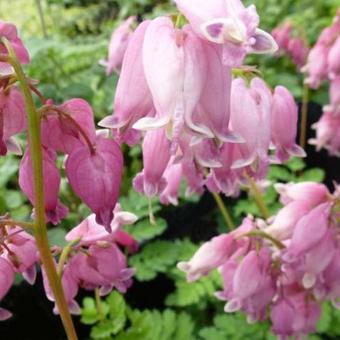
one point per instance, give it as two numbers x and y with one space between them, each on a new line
102 330
155 257
235 326
160 256
295 164
144 230
326 318
279 173
138 204
314 175
14 199
189 293
56 236
8 167
117 310
89 313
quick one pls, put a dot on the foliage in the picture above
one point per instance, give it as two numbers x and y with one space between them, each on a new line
120 322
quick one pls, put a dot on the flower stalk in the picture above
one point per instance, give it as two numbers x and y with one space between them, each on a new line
224 211
256 193
40 229
304 116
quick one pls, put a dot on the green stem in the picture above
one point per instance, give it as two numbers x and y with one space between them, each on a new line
262 234
64 256
40 224
257 197
13 223
42 18
224 211
304 116
99 304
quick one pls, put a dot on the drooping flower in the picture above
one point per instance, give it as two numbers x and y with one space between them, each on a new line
210 255
156 156
90 232
9 31
96 176
21 251
54 209
293 46
284 117
102 267
70 287
172 176
118 44
130 108
229 24
64 131
175 70
328 133
12 118
6 281
251 119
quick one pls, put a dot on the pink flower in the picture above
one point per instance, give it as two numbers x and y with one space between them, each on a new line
156 155
298 50
102 267
130 108
209 256
334 93
214 106
328 133
317 66
311 192
230 24
12 118
90 232
295 315
21 251
251 118
309 231
96 177
175 70
6 281
70 286
9 31
284 117
54 209
333 59
281 34
118 44
172 176
62 132
284 223
225 179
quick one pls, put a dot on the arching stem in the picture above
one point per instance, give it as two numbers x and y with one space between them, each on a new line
40 229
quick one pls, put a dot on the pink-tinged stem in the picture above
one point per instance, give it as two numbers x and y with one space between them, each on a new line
40 229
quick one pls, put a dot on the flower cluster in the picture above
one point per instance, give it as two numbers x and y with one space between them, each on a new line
324 64
96 260
93 165
287 264
293 46
176 91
